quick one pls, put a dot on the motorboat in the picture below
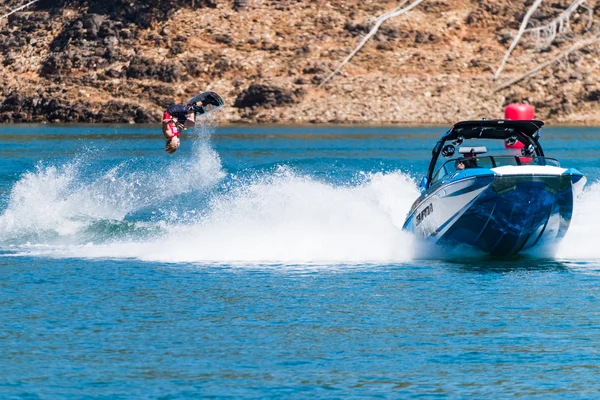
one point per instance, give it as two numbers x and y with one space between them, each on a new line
500 204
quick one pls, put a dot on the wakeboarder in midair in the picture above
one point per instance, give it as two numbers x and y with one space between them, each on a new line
178 117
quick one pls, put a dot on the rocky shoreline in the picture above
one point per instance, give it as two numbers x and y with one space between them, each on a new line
124 62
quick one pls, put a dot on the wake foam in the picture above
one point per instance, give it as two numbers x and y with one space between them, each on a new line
61 201
205 215
581 241
282 217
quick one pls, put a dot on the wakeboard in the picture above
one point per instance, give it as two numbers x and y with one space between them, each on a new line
210 102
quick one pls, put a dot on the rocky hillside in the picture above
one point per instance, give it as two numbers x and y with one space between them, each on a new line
123 61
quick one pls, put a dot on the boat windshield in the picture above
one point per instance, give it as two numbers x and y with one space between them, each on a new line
489 162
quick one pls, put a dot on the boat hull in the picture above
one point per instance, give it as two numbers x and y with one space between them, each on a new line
497 214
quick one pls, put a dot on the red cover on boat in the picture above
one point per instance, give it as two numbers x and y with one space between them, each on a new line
518 112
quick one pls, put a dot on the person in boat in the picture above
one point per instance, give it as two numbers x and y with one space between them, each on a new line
177 117
464 163
471 162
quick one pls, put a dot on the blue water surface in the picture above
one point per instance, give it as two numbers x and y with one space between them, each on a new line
125 273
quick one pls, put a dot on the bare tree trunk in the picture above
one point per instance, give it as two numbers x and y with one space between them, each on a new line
560 24
518 37
576 46
380 20
18 9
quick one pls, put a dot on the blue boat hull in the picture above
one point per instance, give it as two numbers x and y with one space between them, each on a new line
499 215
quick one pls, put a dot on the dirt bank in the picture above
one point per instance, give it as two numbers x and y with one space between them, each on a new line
122 61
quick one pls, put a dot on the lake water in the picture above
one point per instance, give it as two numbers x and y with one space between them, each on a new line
269 262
